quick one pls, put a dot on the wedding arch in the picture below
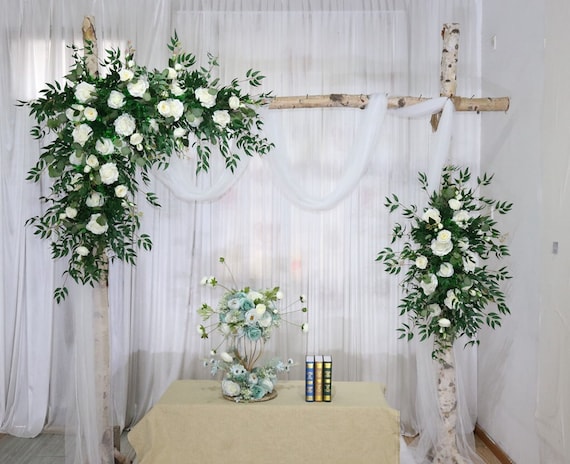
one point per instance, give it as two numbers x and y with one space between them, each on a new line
377 106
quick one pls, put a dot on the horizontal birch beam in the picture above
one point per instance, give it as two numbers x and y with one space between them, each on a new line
337 100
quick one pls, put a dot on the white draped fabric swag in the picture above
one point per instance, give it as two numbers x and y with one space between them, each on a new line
309 217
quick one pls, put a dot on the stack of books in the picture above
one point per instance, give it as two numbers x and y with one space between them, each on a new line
318 378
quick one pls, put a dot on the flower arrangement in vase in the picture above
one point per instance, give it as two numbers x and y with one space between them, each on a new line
246 319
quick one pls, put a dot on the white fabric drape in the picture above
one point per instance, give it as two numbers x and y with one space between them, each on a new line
317 47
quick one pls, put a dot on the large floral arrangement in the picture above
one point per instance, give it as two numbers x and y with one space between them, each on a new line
245 318
101 132
447 287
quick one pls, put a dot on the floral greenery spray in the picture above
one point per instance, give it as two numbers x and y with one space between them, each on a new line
103 134
246 319
447 287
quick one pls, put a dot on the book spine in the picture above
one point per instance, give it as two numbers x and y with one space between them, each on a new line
318 378
310 378
327 378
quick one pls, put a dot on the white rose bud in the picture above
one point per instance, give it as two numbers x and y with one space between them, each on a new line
179 132
82 251
171 74
121 191
444 323
226 357
454 204
70 212
105 146
92 161
233 102
136 139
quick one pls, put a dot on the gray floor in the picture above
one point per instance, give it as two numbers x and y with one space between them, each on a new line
46 448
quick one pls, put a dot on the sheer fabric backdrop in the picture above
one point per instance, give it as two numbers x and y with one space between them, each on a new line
384 47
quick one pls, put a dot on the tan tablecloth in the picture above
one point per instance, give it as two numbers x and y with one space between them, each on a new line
193 423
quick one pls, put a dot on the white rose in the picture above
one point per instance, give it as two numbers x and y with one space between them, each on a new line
94 225
94 200
251 317
90 113
84 91
230 388
260 309
82 251
179 132
171 74
176 108
87 169
126 75
461 218
125 125
444 323
121 191
445 270
163 108
81 134
450 299
105 146
176 89
92 161
136 139
441 248
454 204
70 212
226 357
116 100
444 236
206 99
435 309
432 214
75 113
75 160
421 262
221 118
470 262
109 173
178 66
233 102
429 286
137 88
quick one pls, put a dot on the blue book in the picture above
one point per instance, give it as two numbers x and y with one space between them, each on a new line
310 378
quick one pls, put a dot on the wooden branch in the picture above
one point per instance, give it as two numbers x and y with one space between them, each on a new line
90 43
361 101
448 66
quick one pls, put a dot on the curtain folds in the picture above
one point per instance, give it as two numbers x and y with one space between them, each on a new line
322 242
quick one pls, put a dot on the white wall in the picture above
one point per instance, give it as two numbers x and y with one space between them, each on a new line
523 369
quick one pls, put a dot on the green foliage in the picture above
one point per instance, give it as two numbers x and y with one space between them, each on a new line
102 135
448 291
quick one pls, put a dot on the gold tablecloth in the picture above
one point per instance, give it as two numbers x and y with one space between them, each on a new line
193 423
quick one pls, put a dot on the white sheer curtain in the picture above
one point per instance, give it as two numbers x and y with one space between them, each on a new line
303 47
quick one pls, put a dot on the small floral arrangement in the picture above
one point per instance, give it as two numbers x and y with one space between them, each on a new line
103 131
447 287
246 318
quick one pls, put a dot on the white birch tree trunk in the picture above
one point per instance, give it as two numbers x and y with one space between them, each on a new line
446 451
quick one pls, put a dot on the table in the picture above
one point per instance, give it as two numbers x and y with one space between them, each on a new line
193 423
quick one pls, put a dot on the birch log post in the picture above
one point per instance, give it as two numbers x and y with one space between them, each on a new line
448 67
101 343
446 451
